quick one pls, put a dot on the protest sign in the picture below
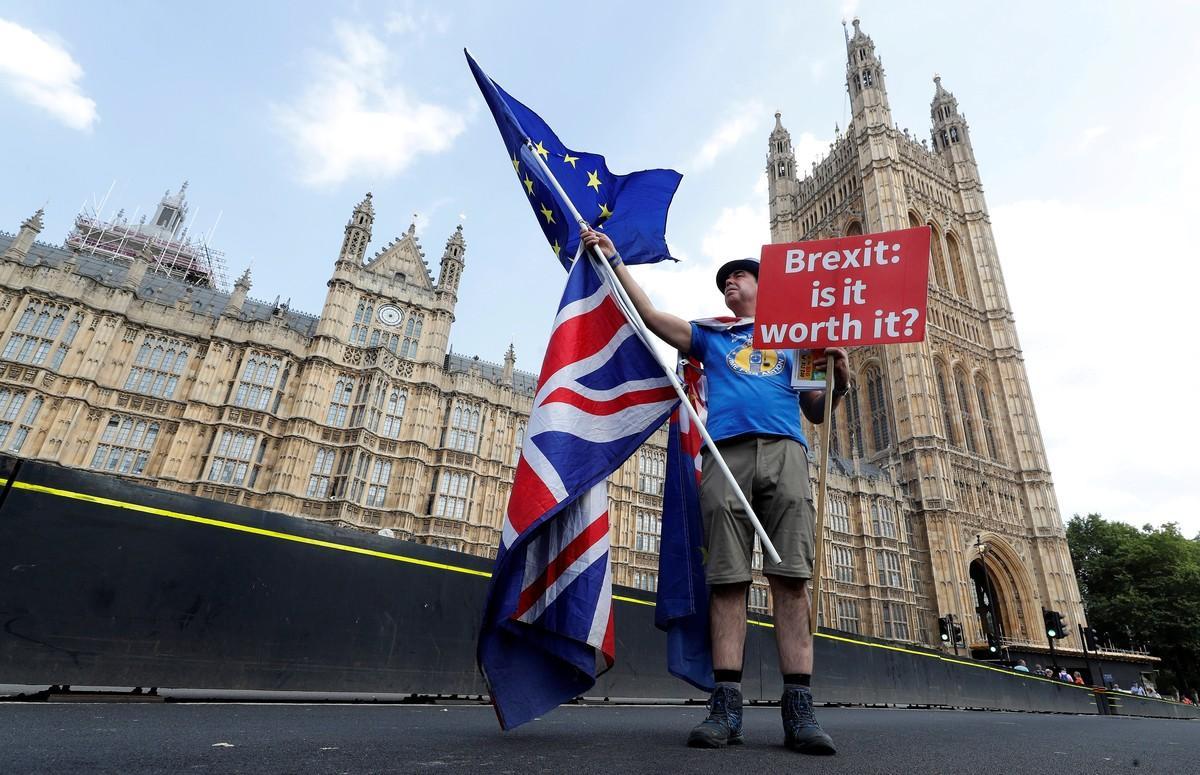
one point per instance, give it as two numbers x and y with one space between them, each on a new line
857 290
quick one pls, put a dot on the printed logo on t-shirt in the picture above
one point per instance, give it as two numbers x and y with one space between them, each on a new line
744 359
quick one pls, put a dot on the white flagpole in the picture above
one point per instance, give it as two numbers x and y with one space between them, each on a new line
639 327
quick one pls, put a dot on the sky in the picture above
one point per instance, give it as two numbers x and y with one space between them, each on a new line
282 115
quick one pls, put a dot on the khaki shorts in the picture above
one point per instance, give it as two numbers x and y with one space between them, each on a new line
773 474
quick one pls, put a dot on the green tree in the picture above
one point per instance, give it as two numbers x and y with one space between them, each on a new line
1142 588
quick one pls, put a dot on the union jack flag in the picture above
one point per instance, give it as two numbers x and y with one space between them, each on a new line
548 628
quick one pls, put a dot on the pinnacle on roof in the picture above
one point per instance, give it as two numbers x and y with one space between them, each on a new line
244 280
779 130
34 221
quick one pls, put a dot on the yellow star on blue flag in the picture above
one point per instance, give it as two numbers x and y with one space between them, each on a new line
633 207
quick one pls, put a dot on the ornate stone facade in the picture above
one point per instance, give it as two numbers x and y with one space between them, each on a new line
360 417
951 418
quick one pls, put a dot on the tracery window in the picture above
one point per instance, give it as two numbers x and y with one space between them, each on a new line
956 267
880 433
652 469
412 336
944 403
649 529
319 480
895 621
887 565
37 329
261 376
231 459
843 563
463 434
964 408
452 495
339 402
983 394
157 367
847 615
125 445
12 402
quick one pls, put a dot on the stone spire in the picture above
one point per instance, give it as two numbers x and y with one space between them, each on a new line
238 298
951 137
782 185
30 228
358 232
864 82
452 263
137 270
510 361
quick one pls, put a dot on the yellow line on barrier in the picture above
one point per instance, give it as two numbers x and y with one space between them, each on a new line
79 496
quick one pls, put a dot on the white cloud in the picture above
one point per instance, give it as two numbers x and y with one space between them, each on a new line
414 21
1091 135
1105 314
356 118
808 148
41 72
744 119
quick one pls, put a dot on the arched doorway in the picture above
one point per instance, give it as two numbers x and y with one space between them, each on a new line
987 603
1004 586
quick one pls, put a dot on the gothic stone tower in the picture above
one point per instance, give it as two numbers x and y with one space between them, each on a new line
951 417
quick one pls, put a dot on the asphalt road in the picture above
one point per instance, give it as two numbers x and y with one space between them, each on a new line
320 738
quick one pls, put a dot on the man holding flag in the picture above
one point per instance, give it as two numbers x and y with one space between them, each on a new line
754 416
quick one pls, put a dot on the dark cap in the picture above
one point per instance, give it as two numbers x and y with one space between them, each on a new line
748 264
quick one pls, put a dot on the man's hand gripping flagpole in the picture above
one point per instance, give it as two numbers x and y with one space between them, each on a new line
643 333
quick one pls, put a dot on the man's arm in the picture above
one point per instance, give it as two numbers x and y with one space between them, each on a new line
812 402
675 331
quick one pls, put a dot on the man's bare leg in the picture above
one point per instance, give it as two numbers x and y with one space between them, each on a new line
795 643
727 624
793 637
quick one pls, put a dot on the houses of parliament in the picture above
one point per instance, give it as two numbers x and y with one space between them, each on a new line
124 358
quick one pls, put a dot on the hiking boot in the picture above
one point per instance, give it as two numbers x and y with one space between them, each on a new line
801 732
724 723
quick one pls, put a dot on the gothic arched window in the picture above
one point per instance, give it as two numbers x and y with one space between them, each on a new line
984 396
956 267
880 434
944 402
964 408
939 263
853 414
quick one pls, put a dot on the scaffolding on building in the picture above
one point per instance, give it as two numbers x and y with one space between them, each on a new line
164 243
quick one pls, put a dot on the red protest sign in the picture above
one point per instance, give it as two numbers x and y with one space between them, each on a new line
865 289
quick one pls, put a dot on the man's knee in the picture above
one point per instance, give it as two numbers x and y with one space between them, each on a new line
788 586
726 592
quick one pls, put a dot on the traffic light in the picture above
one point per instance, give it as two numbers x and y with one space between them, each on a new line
993 643
958 638
944 628
1054 624
1091 638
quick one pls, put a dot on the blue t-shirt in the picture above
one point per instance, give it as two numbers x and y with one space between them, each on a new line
749 391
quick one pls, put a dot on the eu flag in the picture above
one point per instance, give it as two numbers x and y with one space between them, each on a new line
631 209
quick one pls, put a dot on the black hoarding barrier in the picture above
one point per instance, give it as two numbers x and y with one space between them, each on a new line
104 583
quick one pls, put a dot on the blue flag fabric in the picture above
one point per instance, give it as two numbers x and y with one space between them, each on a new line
631 209
681 606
